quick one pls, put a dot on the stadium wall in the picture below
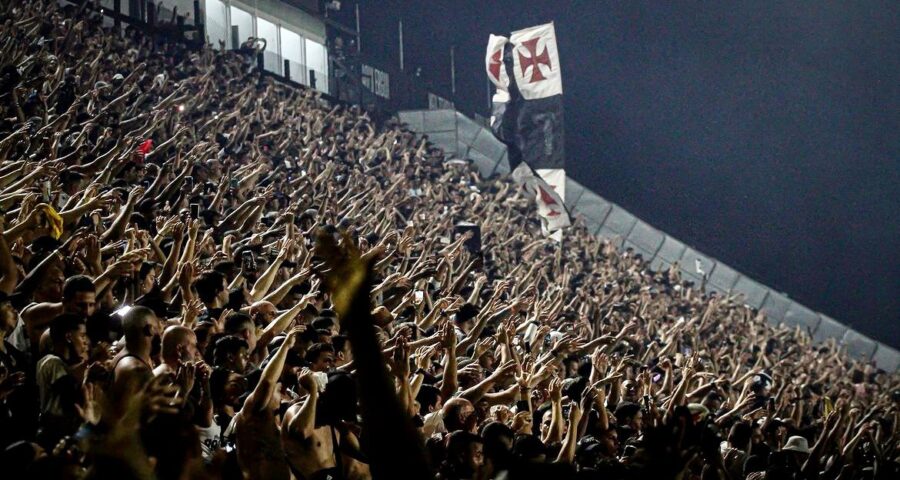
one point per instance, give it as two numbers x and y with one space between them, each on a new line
462 137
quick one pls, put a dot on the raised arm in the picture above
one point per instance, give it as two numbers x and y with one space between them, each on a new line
301 418
282 321
260 396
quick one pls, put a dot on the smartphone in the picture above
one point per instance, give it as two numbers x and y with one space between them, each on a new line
249 263
234 183
195 210
288 165
189 181
419 296
45 191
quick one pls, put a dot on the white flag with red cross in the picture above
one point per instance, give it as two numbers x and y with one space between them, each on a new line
536 62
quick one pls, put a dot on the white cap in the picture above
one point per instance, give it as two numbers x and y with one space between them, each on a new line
796 443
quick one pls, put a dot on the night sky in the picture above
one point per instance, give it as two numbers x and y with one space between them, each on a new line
764 134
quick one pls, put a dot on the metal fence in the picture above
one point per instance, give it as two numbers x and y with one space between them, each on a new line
462 137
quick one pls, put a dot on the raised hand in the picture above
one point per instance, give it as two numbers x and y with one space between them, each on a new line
400 359
306 380
190 312
90 411
482 346
554 390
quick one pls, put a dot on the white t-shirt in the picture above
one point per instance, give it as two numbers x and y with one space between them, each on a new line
19 337
434 423
210 439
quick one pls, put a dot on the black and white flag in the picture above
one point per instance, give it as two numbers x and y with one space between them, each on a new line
527 116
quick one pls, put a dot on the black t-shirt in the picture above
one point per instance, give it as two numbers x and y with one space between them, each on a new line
19 412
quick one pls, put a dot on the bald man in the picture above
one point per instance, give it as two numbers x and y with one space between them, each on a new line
459 414
179 346
133 363
262 313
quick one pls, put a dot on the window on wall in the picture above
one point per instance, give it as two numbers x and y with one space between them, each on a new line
269 31
184 8
216 23
317 62
241 26
292 51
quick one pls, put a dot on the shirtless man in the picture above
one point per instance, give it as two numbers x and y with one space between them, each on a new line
133 363
312 444
259 450
179 347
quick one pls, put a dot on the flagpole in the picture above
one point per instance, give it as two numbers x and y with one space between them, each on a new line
401 44
358 38
453 69
490 102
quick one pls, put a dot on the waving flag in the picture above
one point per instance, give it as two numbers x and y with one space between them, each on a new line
527 116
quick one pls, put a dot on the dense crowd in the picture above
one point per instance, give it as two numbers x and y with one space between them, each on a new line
207 274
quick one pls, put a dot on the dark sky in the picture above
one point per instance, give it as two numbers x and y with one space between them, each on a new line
764 134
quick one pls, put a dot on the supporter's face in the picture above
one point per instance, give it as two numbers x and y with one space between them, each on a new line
235 387
325 362
610 443
545 422
345 356
487 361
264 314
467 325
79 342
438 404
83 303
148 282
637 421
240 360
188 350
249 334
471 419
53 284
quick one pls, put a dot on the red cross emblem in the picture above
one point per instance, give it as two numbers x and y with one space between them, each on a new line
534 60
549 201
495 64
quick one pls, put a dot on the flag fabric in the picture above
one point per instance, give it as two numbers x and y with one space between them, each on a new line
527 116
536 62
145 146
494 62
550 204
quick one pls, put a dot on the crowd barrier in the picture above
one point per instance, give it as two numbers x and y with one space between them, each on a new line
462 137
